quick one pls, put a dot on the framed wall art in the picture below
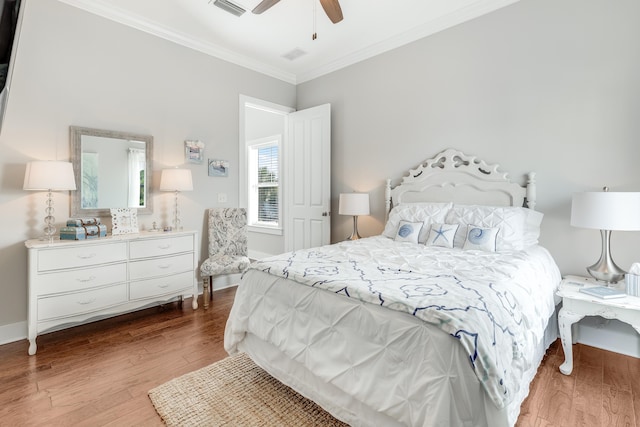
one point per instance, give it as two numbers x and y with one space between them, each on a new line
218 167
194 151
124 221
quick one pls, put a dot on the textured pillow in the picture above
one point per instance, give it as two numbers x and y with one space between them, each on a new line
427 213
481 238
511 222
532 227
408 231
442 235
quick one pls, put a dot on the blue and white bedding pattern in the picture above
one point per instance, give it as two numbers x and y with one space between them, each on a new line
494 304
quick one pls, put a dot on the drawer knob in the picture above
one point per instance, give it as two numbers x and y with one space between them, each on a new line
88 279
87 301
166 285
86 256
164 246
164 266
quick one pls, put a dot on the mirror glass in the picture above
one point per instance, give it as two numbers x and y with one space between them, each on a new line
112 170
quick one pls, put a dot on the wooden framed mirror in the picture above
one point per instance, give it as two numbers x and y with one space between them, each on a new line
112 170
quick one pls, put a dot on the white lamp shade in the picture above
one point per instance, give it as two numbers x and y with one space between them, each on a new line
49 175
605 210
354 204
176 180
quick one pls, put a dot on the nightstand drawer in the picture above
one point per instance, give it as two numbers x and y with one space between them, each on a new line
161 286
81 302
81 256
161 246
160 266
79 279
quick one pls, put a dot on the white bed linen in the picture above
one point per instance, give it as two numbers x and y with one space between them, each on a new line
377 364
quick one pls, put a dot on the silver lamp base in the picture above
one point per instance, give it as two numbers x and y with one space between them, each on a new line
605 269
355 235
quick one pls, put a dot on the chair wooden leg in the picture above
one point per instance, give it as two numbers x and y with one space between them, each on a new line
205 292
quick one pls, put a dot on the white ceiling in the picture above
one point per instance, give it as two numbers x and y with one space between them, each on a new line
259 42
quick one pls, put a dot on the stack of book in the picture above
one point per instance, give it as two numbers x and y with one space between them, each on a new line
604 292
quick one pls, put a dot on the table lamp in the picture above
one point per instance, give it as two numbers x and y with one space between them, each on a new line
49 176
354 204
176 180
606 211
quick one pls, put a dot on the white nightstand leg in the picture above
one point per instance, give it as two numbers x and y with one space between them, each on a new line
566 319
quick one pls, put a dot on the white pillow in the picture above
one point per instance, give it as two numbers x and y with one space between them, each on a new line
442 235
532 227
408 231
518 227
481 238
427 213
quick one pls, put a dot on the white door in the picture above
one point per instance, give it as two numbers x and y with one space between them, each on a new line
307 169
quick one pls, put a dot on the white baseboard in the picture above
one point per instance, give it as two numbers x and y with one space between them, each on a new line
226 281
13 332
609 335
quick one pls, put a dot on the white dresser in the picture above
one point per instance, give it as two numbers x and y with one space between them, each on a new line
77 281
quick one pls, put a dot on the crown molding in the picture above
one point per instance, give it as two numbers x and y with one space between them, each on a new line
104 9
113 13
459 16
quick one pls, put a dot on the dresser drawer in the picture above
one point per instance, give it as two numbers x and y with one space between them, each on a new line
160 266
81 256
160 246
80 278
81 302
162 286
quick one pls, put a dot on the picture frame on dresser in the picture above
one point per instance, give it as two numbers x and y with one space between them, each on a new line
124 221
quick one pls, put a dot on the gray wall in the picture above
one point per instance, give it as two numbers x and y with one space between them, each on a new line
542 85
74 68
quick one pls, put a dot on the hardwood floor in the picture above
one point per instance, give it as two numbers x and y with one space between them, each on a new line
99 374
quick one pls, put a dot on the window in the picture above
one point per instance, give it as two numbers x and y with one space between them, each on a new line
264 183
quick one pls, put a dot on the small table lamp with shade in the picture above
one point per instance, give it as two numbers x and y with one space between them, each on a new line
354 204
49 176
176 180
606 211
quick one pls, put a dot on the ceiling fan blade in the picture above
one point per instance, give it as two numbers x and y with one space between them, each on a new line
263 6
332 9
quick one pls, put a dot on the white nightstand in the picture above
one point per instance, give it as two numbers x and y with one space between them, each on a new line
576 305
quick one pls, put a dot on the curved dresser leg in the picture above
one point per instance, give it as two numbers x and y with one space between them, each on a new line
33 347
566 319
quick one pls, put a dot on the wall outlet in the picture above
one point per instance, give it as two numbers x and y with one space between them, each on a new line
222 197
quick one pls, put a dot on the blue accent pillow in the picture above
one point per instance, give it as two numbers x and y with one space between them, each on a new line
481 238
408 231
442 235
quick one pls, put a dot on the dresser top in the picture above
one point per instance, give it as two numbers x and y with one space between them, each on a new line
57 243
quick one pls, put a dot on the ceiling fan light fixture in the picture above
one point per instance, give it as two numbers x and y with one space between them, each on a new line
230 7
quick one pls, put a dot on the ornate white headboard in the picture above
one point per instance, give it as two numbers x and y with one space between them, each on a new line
453 176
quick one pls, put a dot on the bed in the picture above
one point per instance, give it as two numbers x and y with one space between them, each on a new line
441 320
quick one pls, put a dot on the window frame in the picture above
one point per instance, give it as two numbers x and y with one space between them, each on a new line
251 189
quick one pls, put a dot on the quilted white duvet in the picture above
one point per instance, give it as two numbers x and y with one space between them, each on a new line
415 334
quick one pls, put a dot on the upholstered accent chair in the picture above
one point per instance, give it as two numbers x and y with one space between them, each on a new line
227 246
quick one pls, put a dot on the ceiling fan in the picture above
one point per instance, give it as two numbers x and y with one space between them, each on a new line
331 8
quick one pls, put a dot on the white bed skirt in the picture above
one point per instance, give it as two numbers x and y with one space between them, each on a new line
363 393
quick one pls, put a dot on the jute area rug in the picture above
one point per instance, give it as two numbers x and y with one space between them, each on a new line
235 392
